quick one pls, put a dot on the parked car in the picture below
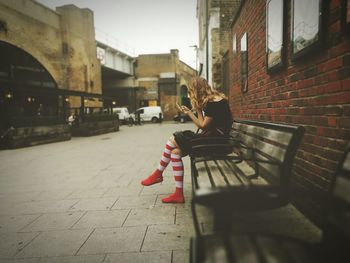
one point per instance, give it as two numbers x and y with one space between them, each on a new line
123 114
152 113
182 118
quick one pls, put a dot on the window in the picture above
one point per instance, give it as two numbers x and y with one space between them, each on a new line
346 16
234 44
244 63
274 34
306 26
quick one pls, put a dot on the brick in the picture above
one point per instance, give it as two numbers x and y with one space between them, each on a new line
333 110
305 83
332 121
345 83
294 77
335 4
346 60
346 110
344 73
332 87
344 122
335 27
320 121
333 64
310 72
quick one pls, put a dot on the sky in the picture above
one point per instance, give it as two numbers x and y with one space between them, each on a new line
143 26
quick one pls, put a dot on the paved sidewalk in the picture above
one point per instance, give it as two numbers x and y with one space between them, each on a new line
82 201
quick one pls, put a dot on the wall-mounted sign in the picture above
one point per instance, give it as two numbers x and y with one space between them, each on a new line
101 55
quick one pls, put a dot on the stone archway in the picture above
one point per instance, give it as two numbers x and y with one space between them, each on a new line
27 89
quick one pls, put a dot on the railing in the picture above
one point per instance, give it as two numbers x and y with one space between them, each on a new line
114 42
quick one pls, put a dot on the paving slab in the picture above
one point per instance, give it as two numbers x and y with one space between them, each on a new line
151 216
18 197
102 219
20 260
94 204
140 257
12 243
54 221
52 195
181 256
86 193
127 202
113 240
167 237
55 243
74 259
38 207
133 190
11 224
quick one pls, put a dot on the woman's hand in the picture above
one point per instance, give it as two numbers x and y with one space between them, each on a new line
185 110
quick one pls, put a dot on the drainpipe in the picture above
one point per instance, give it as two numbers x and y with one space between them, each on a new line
207 38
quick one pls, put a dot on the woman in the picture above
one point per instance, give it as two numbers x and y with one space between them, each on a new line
216 121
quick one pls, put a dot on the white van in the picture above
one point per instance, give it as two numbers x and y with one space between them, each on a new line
152 113
123 114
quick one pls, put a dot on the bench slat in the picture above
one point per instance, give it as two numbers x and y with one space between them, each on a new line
229 174
265 148
202 178
280 137
243 249
271 250
217 176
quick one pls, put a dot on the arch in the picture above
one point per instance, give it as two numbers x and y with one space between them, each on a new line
184 91
27 88
15 62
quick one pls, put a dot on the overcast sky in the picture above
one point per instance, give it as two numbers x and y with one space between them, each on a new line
143 26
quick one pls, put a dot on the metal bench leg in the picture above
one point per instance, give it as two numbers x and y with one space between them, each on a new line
195 219
222 220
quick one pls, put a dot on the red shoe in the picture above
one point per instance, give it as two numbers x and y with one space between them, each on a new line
154 178
174 198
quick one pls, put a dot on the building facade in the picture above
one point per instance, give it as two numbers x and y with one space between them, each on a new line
162 80
214 21
44 53
289 62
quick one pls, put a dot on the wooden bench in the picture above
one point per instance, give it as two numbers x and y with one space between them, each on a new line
256 176
258 248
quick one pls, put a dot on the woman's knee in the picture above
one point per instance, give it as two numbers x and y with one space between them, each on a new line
176 151
172 140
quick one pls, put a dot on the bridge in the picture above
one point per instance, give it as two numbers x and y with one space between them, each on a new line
117 67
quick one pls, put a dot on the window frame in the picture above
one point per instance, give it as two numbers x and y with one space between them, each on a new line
318 44
282 56
345 24
244 67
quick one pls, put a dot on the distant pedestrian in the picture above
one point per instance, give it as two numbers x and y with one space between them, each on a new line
71 119
216 121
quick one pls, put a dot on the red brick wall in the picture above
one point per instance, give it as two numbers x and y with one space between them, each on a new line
313 91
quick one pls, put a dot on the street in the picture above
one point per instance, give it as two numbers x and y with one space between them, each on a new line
82 201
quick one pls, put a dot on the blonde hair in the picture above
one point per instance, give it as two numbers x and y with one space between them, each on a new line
200 92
